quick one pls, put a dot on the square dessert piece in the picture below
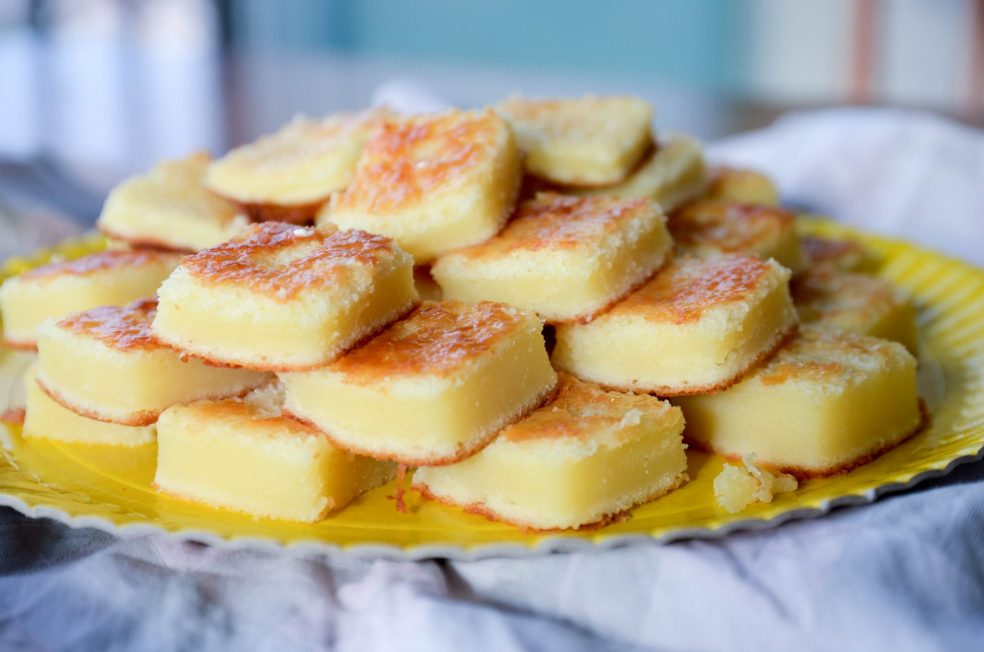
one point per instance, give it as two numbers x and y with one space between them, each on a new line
107 278
244 455
709 227
282 297
170 208
672 175
826 402
742 185
45 418
584 141
432 388
432 182
288 175
696 327
845 255
868 305
564 257
584 457
106 364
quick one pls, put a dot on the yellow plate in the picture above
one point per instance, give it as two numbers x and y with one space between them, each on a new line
109 488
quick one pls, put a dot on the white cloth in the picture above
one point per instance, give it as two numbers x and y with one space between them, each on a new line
906 573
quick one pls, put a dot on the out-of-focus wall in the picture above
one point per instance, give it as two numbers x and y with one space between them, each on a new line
910 52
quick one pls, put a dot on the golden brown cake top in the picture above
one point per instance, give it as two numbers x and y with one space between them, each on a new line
301 139
437 338
828 292
553 221
727 225
404 159
583 410
124 328
103 260
282 260
591 118
830 358
683 290
844 254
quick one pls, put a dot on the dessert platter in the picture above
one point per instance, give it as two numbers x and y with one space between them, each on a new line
531 327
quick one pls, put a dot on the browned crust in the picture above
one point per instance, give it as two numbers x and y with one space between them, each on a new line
463 451
480 509
806 473
271 368
21 345
665 391
142 418
144 243
302 214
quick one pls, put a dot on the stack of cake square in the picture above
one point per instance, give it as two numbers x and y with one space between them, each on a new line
279 351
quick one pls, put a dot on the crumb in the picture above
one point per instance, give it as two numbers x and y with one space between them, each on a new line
14 416
736 488
266 402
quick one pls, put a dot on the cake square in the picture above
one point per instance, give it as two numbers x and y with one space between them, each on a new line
106 364
432 182
564 257
826 402
288 175
584 141
741 185
584 457
696 327
845 255
246 456
832 299
282 297
432 388
45 418
711 227
671 176
170 208
106 278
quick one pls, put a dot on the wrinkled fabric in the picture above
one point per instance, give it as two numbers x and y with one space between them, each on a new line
905 573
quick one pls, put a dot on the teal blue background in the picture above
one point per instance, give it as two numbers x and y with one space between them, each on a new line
694 43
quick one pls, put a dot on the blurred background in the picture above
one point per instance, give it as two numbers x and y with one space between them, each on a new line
94 90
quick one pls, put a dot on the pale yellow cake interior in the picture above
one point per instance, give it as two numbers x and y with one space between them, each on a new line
581 141
712 227
301 301
237 455
697 325
126 376
674 174
857 303
586 455
433 183
44 418
823 403
170 207
303 162
564 257
432 387
59 289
